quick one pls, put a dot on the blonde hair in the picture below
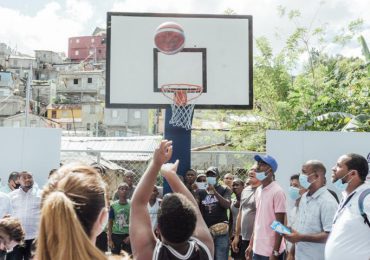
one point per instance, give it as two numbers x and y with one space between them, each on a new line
71 203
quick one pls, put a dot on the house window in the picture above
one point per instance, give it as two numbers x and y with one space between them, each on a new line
92 40
88 126
77 40
114 114
64 114
99 51
75 81
137 114
92 109
89 80
53 114
69 126
77 53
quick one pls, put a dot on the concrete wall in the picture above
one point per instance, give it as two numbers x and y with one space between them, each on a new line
32 149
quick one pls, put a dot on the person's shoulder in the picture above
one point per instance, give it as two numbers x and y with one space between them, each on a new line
328 195
276 188
5 196
201 193
114 203
363 187
14 193
222 188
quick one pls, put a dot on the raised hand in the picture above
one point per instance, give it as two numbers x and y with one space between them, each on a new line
163 153
169 168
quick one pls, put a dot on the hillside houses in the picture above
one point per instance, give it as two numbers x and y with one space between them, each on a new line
68 90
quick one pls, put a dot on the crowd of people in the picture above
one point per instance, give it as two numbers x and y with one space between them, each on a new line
74 217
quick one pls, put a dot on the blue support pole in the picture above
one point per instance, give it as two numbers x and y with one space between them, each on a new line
181 146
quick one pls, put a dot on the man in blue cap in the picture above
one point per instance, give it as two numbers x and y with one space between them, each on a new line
271 205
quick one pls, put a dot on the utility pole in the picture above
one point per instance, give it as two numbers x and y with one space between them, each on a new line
28 94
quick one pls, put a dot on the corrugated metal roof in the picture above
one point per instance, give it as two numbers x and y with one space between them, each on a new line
138 148
88 159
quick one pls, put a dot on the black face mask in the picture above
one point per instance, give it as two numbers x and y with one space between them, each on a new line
17 186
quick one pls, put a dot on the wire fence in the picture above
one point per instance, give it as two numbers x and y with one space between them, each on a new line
115 163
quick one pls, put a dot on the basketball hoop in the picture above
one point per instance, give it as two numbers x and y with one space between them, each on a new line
182 96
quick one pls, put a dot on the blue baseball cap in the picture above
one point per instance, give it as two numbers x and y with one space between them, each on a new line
267 159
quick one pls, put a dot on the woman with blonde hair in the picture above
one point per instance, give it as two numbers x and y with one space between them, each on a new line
73 214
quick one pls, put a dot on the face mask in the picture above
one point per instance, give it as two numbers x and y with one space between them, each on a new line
17 186
211 180
339 185
303 180
202 185
294 193
261 176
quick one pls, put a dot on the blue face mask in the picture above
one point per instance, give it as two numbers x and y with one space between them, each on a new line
294 193
261 176
211 180
303 180
339 185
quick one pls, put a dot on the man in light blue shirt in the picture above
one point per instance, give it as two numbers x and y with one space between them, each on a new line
315 214
5 205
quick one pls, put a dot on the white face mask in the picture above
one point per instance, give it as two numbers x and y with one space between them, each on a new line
202 185
340 185
211 180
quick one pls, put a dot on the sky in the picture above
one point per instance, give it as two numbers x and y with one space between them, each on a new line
47 24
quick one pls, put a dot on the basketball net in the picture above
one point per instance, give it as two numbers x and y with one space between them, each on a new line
182 96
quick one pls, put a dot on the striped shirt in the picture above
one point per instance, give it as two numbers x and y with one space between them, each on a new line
197 251
315 215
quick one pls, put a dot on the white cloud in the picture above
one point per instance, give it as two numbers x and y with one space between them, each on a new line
334 13
79 10
51 27
48 29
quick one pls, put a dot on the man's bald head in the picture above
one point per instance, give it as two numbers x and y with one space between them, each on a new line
316 166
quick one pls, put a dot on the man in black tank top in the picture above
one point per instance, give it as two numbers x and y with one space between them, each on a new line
183 232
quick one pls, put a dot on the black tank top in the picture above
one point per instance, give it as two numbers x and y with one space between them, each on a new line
197 251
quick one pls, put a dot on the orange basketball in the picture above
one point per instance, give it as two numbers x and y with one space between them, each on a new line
169 38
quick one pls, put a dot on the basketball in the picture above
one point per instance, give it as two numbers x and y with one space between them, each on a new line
169 38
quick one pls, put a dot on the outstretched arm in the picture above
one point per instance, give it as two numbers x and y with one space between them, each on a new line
141 233
201 231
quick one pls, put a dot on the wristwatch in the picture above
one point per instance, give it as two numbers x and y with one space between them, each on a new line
275 253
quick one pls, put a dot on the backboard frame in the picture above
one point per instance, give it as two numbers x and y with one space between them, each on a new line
249 84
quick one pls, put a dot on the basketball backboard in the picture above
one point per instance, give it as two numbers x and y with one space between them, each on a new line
217 55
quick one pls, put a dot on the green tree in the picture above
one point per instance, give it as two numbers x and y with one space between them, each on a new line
329 93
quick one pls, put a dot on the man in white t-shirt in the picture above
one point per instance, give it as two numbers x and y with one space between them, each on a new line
350 235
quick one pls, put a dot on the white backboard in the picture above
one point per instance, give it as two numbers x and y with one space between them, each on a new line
217 55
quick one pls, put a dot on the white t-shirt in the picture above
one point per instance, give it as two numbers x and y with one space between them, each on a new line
153 213
350 236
